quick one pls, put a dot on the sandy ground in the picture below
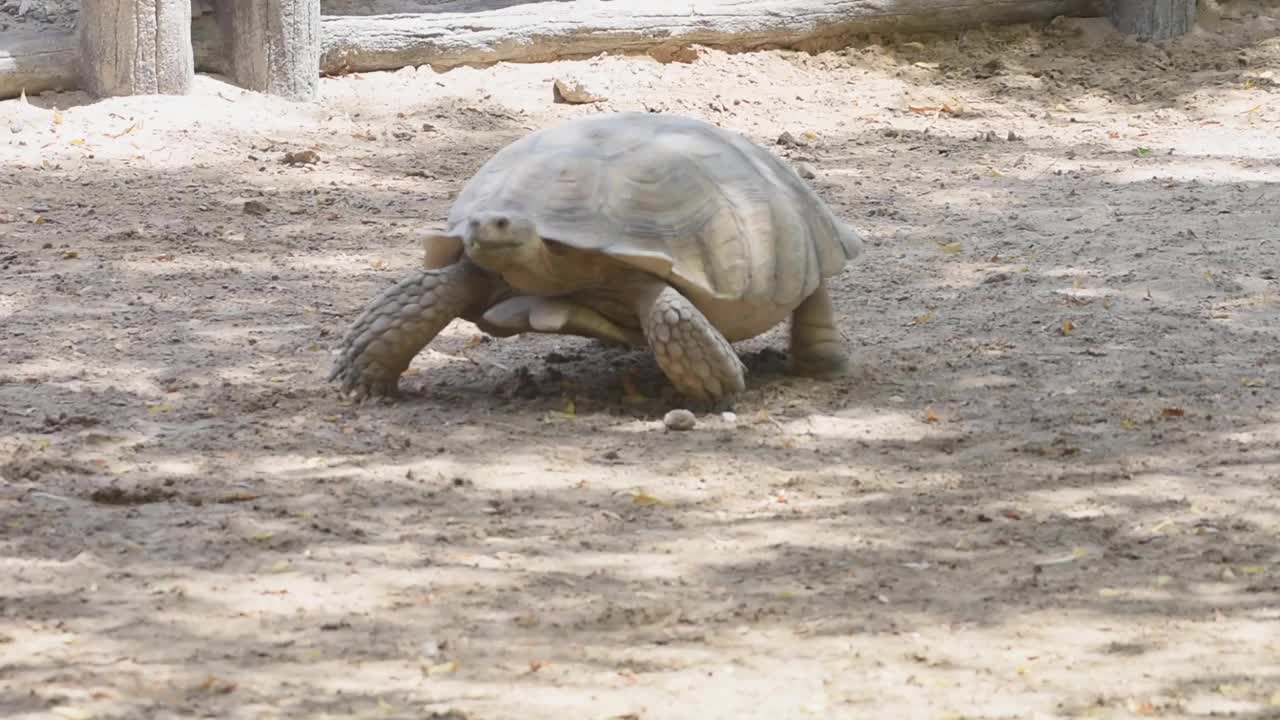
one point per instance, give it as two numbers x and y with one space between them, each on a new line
1050 487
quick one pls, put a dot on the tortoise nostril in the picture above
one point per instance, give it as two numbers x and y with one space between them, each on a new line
501 223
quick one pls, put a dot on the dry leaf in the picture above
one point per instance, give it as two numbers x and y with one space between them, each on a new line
1128 424
131 129
952 248
645 500
71 712
1233 690
238 497
1172 412
57 117
922 319
930 416
1068 327
442 668
1253 382
217 685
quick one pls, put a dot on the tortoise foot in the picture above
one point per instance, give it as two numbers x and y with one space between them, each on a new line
698 360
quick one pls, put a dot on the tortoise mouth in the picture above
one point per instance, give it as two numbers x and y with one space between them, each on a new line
491 244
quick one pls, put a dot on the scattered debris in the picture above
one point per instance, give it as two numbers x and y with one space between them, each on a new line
575 94
116 495
786 139
674 53
255 207
301 157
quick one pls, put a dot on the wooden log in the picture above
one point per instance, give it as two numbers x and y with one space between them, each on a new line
535 32
272 46
135 47
1152 19
33 61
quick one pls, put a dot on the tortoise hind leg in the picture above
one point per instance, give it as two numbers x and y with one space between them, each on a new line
693 354
399 322
817 350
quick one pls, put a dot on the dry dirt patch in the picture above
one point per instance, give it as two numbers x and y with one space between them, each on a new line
1049 489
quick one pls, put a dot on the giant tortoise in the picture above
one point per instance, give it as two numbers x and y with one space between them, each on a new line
649 230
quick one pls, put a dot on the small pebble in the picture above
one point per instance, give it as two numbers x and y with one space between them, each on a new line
790 140
805 171
729 418
679 420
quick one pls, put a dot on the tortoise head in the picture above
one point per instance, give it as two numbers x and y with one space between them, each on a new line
494 240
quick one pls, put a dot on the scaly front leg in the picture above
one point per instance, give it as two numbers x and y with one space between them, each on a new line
697 359
400 321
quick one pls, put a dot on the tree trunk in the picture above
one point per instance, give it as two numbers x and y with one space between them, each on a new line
1153 19
272 46
136 47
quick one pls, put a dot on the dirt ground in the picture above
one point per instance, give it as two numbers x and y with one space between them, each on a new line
1050 488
